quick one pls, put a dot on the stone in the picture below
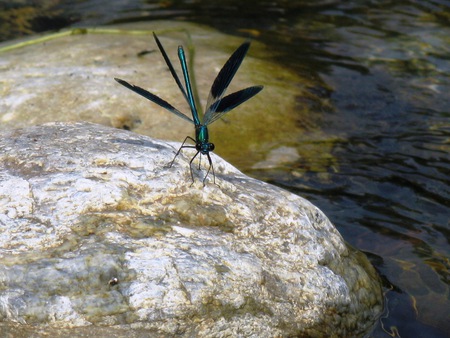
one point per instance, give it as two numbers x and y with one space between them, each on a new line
99 236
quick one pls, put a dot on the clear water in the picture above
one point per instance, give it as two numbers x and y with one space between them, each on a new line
383 74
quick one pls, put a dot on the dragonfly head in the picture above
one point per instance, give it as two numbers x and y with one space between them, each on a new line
204 147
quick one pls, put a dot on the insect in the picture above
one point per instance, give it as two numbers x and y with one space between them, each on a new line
216 106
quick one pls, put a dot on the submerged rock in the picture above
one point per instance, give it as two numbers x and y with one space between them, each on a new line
69 76
99 236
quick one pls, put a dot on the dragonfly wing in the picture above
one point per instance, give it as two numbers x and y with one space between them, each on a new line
152 97
228 71
170 66
225 76
230 102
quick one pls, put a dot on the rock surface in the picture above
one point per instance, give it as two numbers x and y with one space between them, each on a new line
98 235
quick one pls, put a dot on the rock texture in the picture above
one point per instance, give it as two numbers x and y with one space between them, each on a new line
99 236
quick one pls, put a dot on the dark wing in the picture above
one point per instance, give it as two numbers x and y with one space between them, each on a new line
224 77
230 102
152 97
228 71
170 66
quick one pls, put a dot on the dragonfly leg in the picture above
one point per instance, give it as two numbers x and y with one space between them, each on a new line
211 166
190 166
182 146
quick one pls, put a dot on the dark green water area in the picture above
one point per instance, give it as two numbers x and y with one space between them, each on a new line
382 72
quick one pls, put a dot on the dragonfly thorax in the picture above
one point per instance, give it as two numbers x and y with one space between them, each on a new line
202 143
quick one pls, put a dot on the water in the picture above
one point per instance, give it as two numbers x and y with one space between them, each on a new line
383 74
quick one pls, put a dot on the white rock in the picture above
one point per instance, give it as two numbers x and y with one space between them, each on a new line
96 229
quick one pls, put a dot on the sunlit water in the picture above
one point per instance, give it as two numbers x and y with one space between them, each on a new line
384 74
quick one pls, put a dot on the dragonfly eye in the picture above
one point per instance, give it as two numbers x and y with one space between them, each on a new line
204 148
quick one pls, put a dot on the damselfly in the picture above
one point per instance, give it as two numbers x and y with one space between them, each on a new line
217 104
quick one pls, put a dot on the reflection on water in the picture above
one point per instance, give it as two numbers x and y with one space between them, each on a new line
389 77
384 67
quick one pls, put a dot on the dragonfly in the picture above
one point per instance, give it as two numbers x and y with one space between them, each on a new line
217 104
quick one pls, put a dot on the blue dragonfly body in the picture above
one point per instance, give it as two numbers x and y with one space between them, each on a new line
217 104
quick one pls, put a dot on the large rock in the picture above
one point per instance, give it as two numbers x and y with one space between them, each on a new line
99 237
